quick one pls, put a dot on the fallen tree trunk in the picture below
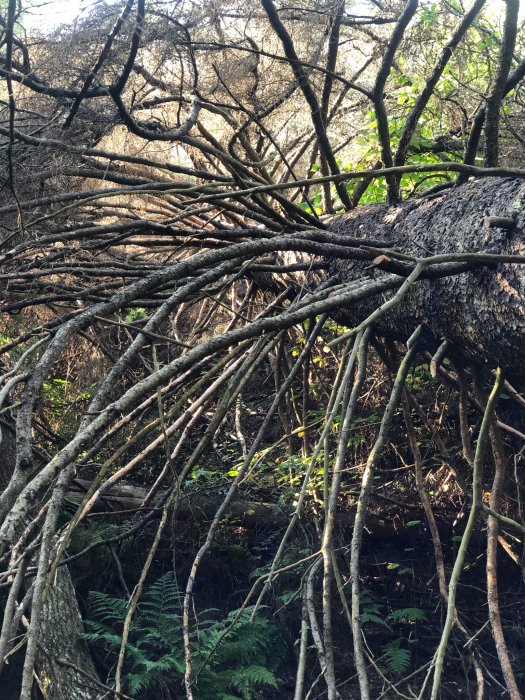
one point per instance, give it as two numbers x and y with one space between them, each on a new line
200 508
481 311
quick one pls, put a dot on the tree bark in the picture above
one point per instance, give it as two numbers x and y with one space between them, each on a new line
7 451
481 312
64 665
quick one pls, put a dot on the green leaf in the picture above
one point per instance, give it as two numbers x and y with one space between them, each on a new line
237 665
397 659
372 617
408 615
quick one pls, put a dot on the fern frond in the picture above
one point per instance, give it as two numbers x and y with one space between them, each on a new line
397 659
408 615
107 608
244 660
110 639
246 678
372 617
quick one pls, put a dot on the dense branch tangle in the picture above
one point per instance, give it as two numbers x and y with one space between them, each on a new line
170 316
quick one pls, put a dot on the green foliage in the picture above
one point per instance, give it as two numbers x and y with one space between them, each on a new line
232 666
429 15
372 611
205 476
55 392
60 395
408 615
135 313
396 658
292 468
419 376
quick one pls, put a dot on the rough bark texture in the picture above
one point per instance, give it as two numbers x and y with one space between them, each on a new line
60 642
7 451
61 624
482 311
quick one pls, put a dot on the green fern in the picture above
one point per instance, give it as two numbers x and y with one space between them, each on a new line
396 658
376 619
106 608
235 669
245 679
408 615
372 611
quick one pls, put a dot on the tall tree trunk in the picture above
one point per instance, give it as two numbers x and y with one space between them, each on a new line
64 665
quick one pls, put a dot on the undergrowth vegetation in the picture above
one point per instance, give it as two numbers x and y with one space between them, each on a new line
247 649
236 657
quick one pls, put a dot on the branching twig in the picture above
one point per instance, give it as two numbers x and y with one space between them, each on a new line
362 507
479 459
